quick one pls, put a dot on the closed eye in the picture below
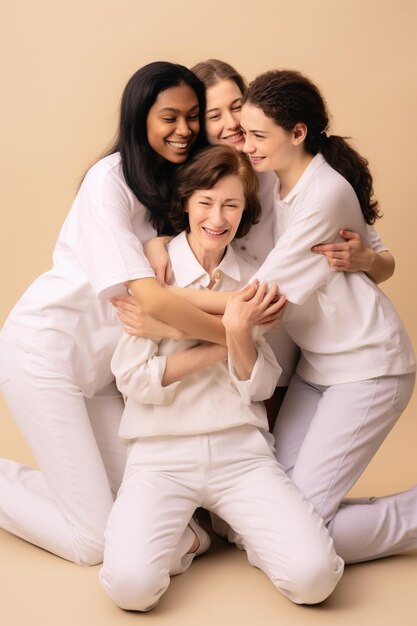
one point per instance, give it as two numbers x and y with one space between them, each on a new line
215 116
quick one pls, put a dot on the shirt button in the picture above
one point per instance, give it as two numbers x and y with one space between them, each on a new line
216 274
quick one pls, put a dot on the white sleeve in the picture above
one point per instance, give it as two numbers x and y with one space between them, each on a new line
139 370
102 236
264 376
375 240
318 218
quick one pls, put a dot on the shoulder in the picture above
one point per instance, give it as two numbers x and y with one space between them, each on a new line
329 193
109 167
333 185
105 182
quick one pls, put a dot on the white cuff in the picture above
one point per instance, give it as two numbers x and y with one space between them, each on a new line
159 394
247 388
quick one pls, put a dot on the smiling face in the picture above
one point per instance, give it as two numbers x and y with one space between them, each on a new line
224 103
214 216
268 145
173 124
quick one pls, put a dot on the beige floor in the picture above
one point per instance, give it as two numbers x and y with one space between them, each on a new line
221 587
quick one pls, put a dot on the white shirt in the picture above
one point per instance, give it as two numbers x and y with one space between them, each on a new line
260 240
210 400
345 326
258 243
65 315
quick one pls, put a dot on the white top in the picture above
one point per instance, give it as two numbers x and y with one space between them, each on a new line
210 400
258 243
65 315
346 327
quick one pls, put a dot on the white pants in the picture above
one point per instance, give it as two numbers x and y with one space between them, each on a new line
234 474
63 508
325 437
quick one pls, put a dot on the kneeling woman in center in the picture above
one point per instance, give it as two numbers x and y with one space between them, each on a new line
195 421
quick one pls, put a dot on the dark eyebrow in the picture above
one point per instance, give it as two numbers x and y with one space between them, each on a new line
174 110
218 108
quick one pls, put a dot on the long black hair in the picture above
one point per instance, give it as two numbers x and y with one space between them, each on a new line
288 98
147 175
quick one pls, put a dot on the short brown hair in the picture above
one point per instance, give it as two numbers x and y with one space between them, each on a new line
203 171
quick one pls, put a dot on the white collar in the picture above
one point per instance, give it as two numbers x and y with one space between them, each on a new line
188 270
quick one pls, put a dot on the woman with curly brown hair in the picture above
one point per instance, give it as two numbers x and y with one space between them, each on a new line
357 367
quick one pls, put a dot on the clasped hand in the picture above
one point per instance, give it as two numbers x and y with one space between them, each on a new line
255 304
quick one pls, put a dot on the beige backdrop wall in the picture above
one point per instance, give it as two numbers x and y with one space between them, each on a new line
65 63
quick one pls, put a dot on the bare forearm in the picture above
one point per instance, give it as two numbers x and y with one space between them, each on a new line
242 352
209 301
352 255
183 364
382 266
246 309
176 311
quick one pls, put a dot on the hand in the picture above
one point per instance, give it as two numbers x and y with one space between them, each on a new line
155 251
347 256
253 305
136 322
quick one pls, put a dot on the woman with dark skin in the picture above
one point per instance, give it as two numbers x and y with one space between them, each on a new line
57 343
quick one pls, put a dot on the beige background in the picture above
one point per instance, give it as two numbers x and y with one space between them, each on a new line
64 64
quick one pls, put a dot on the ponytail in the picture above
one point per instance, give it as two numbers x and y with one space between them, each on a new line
288 98
351 165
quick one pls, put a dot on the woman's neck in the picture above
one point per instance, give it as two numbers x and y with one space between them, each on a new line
288 177
208 259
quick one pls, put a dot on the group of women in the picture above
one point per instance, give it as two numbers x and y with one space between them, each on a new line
342 350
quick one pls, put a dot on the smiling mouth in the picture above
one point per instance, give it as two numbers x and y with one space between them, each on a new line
235 138
178 145
214 233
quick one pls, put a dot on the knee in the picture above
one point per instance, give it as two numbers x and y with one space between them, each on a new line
312 582
131 589
89 550
91 557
